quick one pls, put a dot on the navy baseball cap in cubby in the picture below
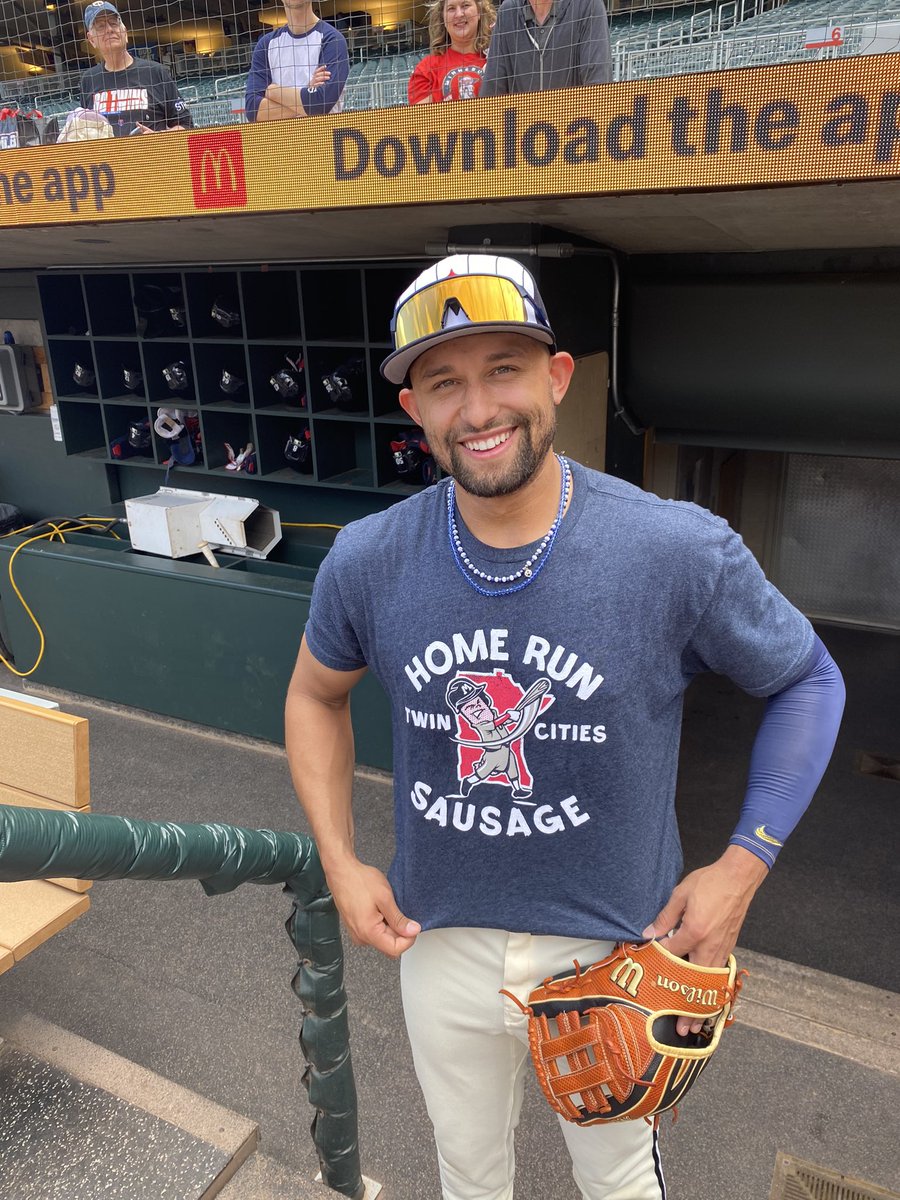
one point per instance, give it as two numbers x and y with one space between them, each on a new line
93 11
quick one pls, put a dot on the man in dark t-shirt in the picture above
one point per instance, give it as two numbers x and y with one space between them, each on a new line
135 95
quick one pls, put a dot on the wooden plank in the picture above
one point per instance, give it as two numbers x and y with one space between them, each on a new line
11 795
44 752
40 361
18 799
32 912
6 959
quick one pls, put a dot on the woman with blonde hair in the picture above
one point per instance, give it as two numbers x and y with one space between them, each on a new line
459 32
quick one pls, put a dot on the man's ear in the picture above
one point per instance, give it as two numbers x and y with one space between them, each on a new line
562 365
409 404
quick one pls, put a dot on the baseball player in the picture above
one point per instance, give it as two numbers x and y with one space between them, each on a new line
526 575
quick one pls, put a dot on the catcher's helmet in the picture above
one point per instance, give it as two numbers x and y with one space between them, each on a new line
225 312
176 376
84 376
132 378
346 385
229 382
139 437
288 381
297 447
160 309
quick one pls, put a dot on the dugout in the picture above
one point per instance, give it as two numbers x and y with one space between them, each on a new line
721 253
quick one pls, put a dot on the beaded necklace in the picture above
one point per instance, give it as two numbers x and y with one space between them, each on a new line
532 568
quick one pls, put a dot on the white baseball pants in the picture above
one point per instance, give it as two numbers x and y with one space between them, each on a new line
470 1047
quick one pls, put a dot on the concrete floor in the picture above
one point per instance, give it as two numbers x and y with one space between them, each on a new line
198 989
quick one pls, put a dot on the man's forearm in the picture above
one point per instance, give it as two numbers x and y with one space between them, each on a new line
288 98
272 110
791 751
319 740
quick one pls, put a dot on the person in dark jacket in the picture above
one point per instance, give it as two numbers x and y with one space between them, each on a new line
135 95
541 44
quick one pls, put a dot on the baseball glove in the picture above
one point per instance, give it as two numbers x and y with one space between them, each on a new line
604 1042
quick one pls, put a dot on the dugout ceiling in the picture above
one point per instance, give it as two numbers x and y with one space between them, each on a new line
816 217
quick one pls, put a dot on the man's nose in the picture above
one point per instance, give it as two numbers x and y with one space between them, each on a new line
480 407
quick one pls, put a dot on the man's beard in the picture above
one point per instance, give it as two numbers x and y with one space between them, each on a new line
535 440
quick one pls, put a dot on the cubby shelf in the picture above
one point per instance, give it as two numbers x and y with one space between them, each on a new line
123 344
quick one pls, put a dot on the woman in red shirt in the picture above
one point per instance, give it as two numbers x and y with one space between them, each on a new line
459 32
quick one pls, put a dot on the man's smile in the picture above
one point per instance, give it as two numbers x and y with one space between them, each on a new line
485 443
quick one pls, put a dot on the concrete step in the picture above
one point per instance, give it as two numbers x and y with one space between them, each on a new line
80 1122
264 1178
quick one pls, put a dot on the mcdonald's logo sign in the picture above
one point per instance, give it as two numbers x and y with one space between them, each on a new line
217 169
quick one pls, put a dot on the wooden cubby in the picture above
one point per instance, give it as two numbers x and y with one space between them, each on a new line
330 318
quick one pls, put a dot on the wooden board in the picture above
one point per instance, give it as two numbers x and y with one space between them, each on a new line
32 912
581 418
44 752
11 795
40 361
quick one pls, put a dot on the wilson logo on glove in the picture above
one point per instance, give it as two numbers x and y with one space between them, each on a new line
602 1057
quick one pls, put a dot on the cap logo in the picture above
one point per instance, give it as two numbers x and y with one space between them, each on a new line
454 314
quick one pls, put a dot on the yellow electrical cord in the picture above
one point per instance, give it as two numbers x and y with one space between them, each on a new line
69 525
308 525
74 525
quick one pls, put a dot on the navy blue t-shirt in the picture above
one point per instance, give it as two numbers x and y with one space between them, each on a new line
536 735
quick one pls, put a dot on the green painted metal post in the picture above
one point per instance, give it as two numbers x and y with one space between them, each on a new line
41 844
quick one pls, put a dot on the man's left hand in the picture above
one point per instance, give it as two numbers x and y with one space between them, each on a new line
705 912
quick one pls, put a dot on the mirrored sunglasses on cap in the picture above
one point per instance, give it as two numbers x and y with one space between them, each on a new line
450 306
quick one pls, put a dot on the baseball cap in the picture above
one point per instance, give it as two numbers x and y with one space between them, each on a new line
461 295
93 11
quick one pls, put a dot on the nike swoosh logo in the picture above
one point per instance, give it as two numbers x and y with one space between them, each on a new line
760 832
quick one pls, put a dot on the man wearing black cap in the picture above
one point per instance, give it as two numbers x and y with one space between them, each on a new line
135 95
559 614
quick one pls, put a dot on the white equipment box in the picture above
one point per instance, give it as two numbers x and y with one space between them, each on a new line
177 523
19 387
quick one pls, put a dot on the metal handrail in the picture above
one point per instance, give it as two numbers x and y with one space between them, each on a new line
43 844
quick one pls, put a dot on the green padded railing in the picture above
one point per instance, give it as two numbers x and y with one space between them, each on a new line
40 844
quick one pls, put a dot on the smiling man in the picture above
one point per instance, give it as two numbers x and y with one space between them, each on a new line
558 614
135 95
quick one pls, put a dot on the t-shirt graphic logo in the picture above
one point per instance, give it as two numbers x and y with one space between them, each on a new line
113 101
493 715
461 83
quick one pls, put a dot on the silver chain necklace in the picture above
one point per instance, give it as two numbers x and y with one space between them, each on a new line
526 574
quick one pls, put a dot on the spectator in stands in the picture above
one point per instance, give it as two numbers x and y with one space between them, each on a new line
299 70
542 44
458 36
136 95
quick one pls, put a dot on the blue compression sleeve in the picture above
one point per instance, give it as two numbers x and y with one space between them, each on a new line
790 754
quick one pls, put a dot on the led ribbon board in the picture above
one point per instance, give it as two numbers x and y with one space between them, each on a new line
754 127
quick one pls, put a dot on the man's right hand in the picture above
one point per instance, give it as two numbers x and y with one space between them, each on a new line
365 900
320 76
